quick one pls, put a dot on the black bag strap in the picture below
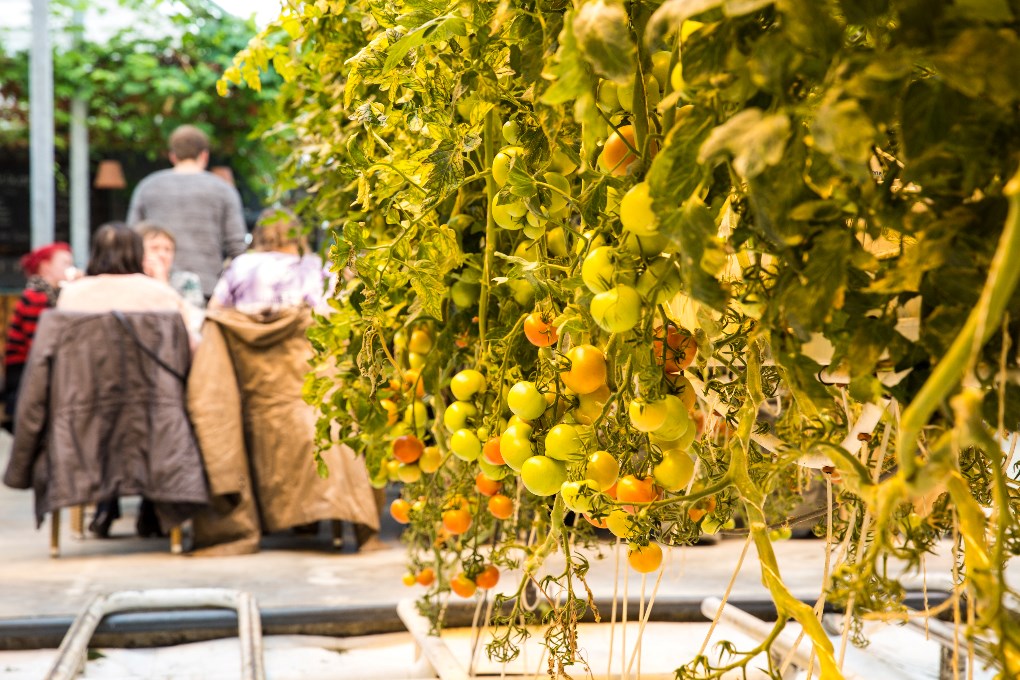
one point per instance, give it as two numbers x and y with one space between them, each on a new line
119 316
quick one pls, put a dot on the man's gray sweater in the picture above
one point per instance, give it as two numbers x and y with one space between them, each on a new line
202 211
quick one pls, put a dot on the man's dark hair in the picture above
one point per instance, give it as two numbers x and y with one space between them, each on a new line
188 142
116 249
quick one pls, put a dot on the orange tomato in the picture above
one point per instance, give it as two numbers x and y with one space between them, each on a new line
486 486
701 508
616 154
597 523
400 510
644 558
408 448
501 506
674 348
588 370
426 577
413 380
492 453
488 578
635 489
462 585
457 520
539 330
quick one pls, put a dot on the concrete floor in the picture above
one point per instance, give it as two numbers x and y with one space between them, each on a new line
294 571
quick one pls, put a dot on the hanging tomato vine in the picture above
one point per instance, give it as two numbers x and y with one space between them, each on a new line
656 264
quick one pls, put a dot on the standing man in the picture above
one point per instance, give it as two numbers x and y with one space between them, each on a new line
202 211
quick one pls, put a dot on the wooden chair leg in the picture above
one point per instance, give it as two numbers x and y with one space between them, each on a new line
55 533
78 522
176 546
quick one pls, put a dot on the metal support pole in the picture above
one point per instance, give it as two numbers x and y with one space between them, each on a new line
41 156
79 174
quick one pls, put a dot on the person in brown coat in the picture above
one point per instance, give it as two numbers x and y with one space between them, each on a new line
256 433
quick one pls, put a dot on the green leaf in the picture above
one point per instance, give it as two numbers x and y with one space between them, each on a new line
435 30
754 139
845 132
982 62
571 78
428 286
602 30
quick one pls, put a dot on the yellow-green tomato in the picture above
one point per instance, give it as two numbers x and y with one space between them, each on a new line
681 443
599 269
578 496
674 472
457 415
636 211
563 442
465 445
465 294
493 472
542 475
515 445
648 416
417 413
558 197
523 292
526 401
408 474
617 310
512 130
415 360
467 384
660 282
511 216
501 163
620 523
676 77
677 422
556 241
534 231
645 246
603 469
660 65
561 163
607 96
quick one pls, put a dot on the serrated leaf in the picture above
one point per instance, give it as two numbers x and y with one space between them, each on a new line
754 139
435 30
570 75
428 286
602 31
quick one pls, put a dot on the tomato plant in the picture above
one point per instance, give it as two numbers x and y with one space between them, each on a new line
818 209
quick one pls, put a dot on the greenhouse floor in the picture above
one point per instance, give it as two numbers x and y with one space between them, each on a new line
294 572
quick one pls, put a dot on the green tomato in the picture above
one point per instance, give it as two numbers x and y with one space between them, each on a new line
636 211
523 292
417 413
526 401
617 310
464 294
465 445
556 242
510 216
563 442
415 360
534 231
681 443
660 65
467 384
501 163
542 475
625 95
515 445
660 282
493 472
648 416
674 472
676 77
457 415
557 199
602 468
608 96
578 496
512 131
599 269
561 163
677 422
645 246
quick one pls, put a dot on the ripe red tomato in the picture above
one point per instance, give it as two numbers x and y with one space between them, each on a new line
488 578
501 506
678 351
408 448
539 330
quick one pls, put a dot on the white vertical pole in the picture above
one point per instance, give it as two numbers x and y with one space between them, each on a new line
41 155
79 166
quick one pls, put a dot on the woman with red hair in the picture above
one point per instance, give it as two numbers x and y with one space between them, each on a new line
46 268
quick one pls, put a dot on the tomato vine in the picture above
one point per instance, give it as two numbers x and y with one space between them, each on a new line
821 198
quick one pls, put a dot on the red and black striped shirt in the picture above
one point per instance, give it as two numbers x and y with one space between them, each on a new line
37 297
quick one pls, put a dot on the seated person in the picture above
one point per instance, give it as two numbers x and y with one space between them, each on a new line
115 281
260 446
46 268
160 251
